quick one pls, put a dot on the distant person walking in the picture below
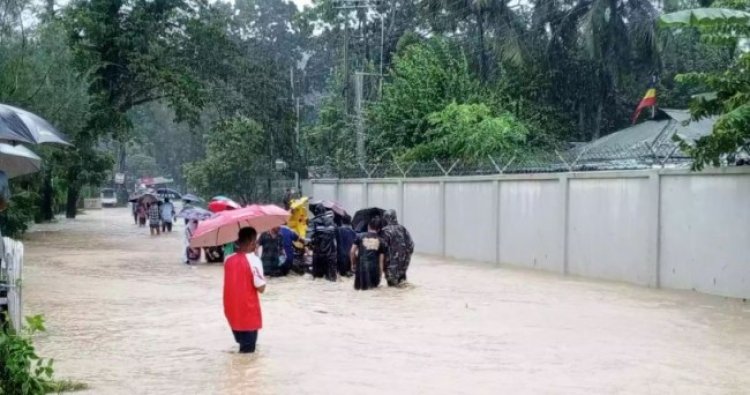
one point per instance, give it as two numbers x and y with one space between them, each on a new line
167 216
142 214
134 207
271 252
368 256
398 249
191 255
345 237
154 219
288 196
243 281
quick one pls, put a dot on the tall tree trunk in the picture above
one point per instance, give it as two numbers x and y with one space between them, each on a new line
49 9
480 40
47 212
71 205
596 132
581 121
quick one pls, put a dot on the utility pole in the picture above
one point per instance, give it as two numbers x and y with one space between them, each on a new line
359 75
296 128
382 48
346 68
360 128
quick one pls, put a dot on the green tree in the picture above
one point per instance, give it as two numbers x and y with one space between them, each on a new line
330 140
424 79
135 52
237 162
469 132
727 95
38 73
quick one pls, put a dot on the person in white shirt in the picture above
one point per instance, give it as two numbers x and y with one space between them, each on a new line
167 215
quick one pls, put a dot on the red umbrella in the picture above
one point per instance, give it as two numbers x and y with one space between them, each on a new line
223 228
222 205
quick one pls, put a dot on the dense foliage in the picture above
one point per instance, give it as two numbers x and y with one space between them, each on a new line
144 88
236 162
22 372
727 92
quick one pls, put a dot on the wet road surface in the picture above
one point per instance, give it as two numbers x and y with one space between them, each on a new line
126 317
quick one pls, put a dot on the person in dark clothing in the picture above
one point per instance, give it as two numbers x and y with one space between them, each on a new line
288 237
368 255
345 237
272 249
323 243
398 249
288 196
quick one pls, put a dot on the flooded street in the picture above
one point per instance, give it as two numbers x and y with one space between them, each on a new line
124 316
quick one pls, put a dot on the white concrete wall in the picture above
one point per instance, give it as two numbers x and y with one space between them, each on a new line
469 222
422 216
384 195
531 219
607 217
668 228
705 234
323 191
352 196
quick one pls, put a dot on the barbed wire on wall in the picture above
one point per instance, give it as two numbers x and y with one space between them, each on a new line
585 158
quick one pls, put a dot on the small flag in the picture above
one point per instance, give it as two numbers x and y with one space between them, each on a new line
649 100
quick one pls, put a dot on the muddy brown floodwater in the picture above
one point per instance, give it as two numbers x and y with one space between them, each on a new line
126 317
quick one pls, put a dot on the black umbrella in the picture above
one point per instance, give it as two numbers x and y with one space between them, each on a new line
144 198
20 125
363 217
331 205
169 193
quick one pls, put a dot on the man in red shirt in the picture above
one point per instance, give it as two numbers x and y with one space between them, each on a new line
243 281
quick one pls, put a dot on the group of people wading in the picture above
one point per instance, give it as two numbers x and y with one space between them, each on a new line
337 250
385 248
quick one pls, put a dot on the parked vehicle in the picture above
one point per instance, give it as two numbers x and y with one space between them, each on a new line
108 197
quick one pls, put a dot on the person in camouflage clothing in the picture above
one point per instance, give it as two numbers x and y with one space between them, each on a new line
398 249
323 242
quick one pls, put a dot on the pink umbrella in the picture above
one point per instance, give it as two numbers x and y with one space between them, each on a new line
223 228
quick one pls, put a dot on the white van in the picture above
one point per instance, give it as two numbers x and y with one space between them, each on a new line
108 197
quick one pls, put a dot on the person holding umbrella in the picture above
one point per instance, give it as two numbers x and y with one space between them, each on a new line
243 281
243 270
142 213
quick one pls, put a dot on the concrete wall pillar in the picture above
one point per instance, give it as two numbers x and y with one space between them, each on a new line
654 215
400 201
443 227
565 216
365 194
496 219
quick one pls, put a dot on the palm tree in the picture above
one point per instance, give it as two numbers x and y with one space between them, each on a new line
604 37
